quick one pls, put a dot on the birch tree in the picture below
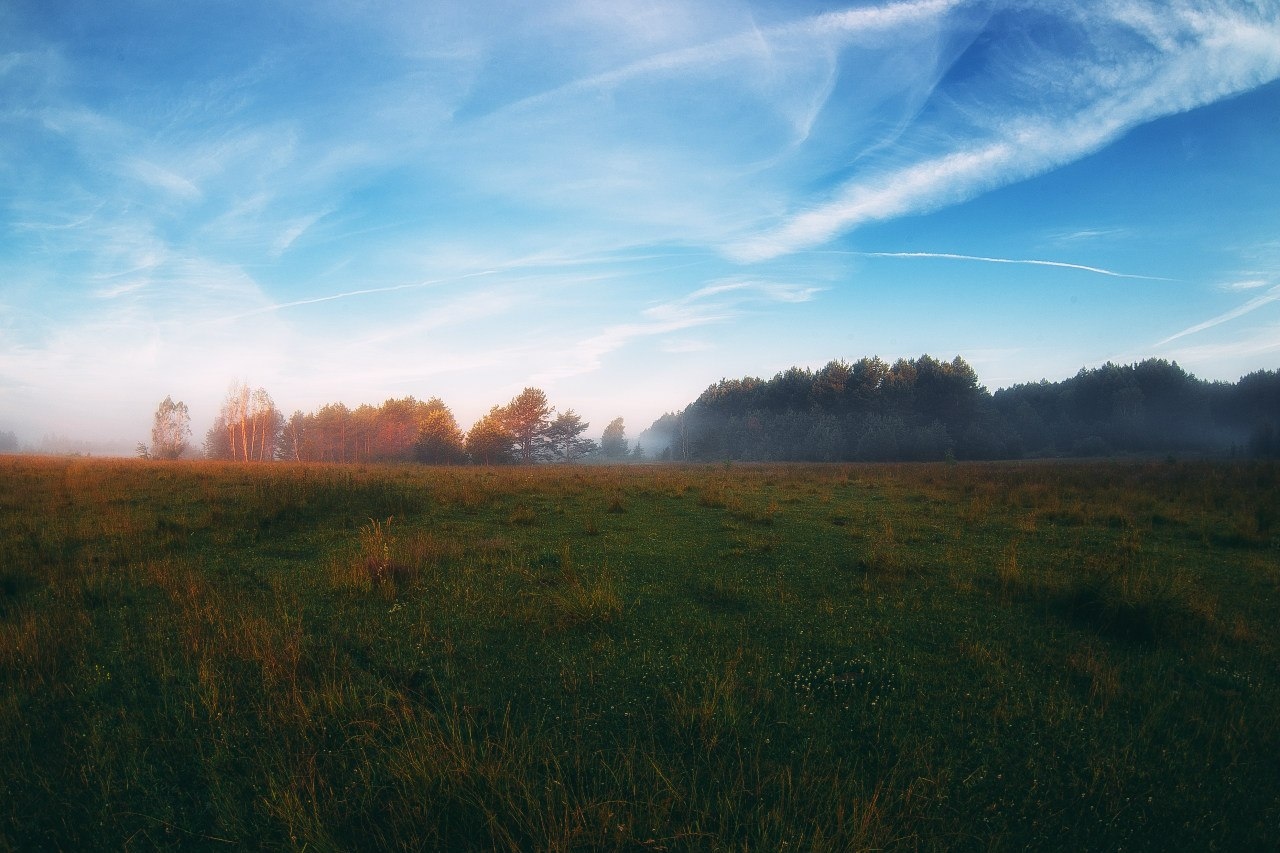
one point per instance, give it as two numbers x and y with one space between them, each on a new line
247 428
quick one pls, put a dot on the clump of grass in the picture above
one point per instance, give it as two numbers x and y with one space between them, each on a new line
718 596
376 557
884 556
709 709
1101 677
1009 573
1132 598
573 599
751 515
427 550
522 515
712 496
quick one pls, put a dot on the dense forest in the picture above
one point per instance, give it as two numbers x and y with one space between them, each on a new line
926 409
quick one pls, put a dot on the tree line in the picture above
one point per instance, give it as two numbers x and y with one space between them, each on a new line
927 409
911 410
249 427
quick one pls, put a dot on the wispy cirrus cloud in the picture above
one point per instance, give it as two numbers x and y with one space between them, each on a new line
351 294
165 179
716 302
1051 110
1246 284
294 229
829 30
1081 235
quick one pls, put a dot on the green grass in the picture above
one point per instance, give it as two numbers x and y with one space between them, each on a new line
1047 656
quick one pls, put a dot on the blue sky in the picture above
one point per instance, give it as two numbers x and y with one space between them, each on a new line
620 202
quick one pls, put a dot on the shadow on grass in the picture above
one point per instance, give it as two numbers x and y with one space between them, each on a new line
1136 604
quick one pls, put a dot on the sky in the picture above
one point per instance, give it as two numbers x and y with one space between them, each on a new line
620 201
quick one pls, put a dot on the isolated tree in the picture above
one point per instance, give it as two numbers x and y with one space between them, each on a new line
490 442
564 437
170 430
613 443
527 418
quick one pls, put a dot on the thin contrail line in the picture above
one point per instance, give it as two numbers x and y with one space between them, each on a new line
279 306
1272 295
1061 264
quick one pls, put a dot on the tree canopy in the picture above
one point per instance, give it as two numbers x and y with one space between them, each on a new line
527 417
869 410
923 408
564 437
613 443
170 430
247 428
490 442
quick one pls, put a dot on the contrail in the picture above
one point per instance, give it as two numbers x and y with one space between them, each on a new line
279 306
1062 264
1272 295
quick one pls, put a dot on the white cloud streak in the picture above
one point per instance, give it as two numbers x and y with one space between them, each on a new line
165 179
1247 284
1272 295
1029 262
1196 57
827 30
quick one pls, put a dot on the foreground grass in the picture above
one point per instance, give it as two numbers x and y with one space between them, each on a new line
204 656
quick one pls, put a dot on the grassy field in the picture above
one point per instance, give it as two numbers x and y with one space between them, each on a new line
1047 656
